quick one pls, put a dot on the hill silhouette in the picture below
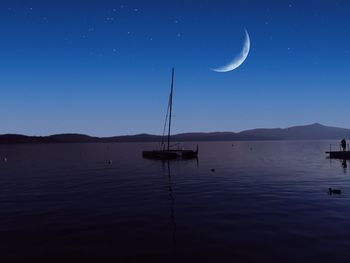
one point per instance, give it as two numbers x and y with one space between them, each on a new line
314 131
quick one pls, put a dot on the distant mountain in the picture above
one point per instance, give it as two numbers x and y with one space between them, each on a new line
314 131
59 138
71 138
308 132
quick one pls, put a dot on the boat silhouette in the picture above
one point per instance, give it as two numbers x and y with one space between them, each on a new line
166 152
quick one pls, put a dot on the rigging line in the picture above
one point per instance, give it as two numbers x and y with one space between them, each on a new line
170 105
166 119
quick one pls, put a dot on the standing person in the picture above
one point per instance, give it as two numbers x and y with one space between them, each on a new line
343 144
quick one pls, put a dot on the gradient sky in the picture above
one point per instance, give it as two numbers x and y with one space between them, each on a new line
104 67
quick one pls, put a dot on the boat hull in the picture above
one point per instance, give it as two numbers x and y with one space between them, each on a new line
339 155
170 155
159 155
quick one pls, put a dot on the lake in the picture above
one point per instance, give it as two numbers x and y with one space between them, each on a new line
266 201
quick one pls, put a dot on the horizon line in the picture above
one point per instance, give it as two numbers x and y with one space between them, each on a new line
180 133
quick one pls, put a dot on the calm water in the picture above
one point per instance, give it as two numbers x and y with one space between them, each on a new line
265 202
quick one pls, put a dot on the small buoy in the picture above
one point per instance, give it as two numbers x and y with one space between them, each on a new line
334 191
109 161
5 159
213 170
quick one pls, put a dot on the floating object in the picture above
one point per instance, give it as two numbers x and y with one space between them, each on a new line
166 153
334 191
213 170
109 161
5 159
170 154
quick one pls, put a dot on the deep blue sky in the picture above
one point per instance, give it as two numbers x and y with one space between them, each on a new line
104 67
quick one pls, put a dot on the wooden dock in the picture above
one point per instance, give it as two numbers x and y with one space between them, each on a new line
345 155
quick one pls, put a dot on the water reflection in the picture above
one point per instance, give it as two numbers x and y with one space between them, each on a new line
172 197
254 202
344 164
179 161
172 202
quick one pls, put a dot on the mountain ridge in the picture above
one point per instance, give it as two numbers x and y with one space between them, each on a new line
313 131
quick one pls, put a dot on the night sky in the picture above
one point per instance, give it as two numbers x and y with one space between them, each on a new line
104 67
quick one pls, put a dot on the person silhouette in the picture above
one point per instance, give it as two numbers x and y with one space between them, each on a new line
343 144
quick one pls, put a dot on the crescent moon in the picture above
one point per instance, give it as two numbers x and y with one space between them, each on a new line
239 59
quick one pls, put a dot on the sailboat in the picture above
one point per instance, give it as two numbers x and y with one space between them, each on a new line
166 152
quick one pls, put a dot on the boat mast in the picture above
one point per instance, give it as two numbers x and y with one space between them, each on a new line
170 106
